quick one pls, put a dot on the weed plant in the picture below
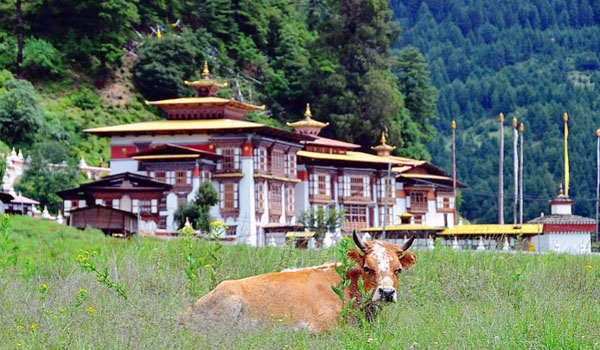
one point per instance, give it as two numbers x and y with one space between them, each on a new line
447 300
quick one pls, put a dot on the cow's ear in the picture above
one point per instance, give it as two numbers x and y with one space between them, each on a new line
407 260
354 255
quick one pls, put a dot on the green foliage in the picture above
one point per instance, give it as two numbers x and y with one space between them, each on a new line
202 256
20 113
444 290
163 65
198 210
8 257
532 60
342 268
41 58
41 182
85 259
8 51
322 221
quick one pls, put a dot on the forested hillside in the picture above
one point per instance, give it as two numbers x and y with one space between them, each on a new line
533 60
67 65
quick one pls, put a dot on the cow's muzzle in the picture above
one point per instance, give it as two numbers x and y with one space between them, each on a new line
386 294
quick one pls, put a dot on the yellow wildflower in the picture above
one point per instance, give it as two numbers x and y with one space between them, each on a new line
588 267
90 310
43 288
207 266
19 344
33 326
20 327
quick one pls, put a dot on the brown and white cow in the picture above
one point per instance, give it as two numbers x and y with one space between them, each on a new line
303 298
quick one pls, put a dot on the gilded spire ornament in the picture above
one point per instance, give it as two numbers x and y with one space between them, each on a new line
307 113
383 149
205 87
307 126
205 71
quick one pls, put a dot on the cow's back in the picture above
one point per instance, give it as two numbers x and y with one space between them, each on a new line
301 298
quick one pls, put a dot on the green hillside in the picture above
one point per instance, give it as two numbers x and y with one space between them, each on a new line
67 65
533 60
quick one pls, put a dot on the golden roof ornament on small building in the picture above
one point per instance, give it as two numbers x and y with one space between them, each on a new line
383 149
205 71
205 87
307 126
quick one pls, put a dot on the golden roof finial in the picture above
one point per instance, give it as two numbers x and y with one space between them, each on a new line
521 127
598 133
383 139
501 117
515 123
205 71
565 117
453 124
307 113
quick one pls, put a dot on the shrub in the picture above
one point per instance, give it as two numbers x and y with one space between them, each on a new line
40 57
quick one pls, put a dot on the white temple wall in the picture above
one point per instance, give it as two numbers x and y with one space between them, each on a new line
246 226
118 166
573 243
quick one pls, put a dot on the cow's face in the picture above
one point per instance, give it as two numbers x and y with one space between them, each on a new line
381 264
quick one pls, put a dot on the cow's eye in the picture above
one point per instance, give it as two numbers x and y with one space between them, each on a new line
399 271
368 270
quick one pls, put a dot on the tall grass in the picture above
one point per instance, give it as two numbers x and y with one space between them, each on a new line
448 300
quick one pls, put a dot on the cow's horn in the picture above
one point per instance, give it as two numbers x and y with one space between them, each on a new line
358 241
408 243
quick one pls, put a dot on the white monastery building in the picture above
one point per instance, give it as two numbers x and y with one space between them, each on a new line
266 177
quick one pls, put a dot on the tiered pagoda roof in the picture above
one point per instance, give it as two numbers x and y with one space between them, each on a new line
206 104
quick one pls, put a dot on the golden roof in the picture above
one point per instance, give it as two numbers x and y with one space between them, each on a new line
494 229
407 161
204 101
401 169
299 234
205 81
307 121
405 227
349 156
176 125
383 146
425 176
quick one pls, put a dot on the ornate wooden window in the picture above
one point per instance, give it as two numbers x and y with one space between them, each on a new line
228 193
231 159
384 192
291 165
181 178
170 177
160 176
418 201
356 217
277 162
275 198
445 201
359 186
289 210
260 159
389 217
260 197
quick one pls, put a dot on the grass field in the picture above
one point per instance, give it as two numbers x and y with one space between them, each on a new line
448 300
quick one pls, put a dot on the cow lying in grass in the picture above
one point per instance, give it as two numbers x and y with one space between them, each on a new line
303 298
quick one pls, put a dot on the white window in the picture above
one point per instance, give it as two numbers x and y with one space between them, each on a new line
115 203
99 201
135 206
154 205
